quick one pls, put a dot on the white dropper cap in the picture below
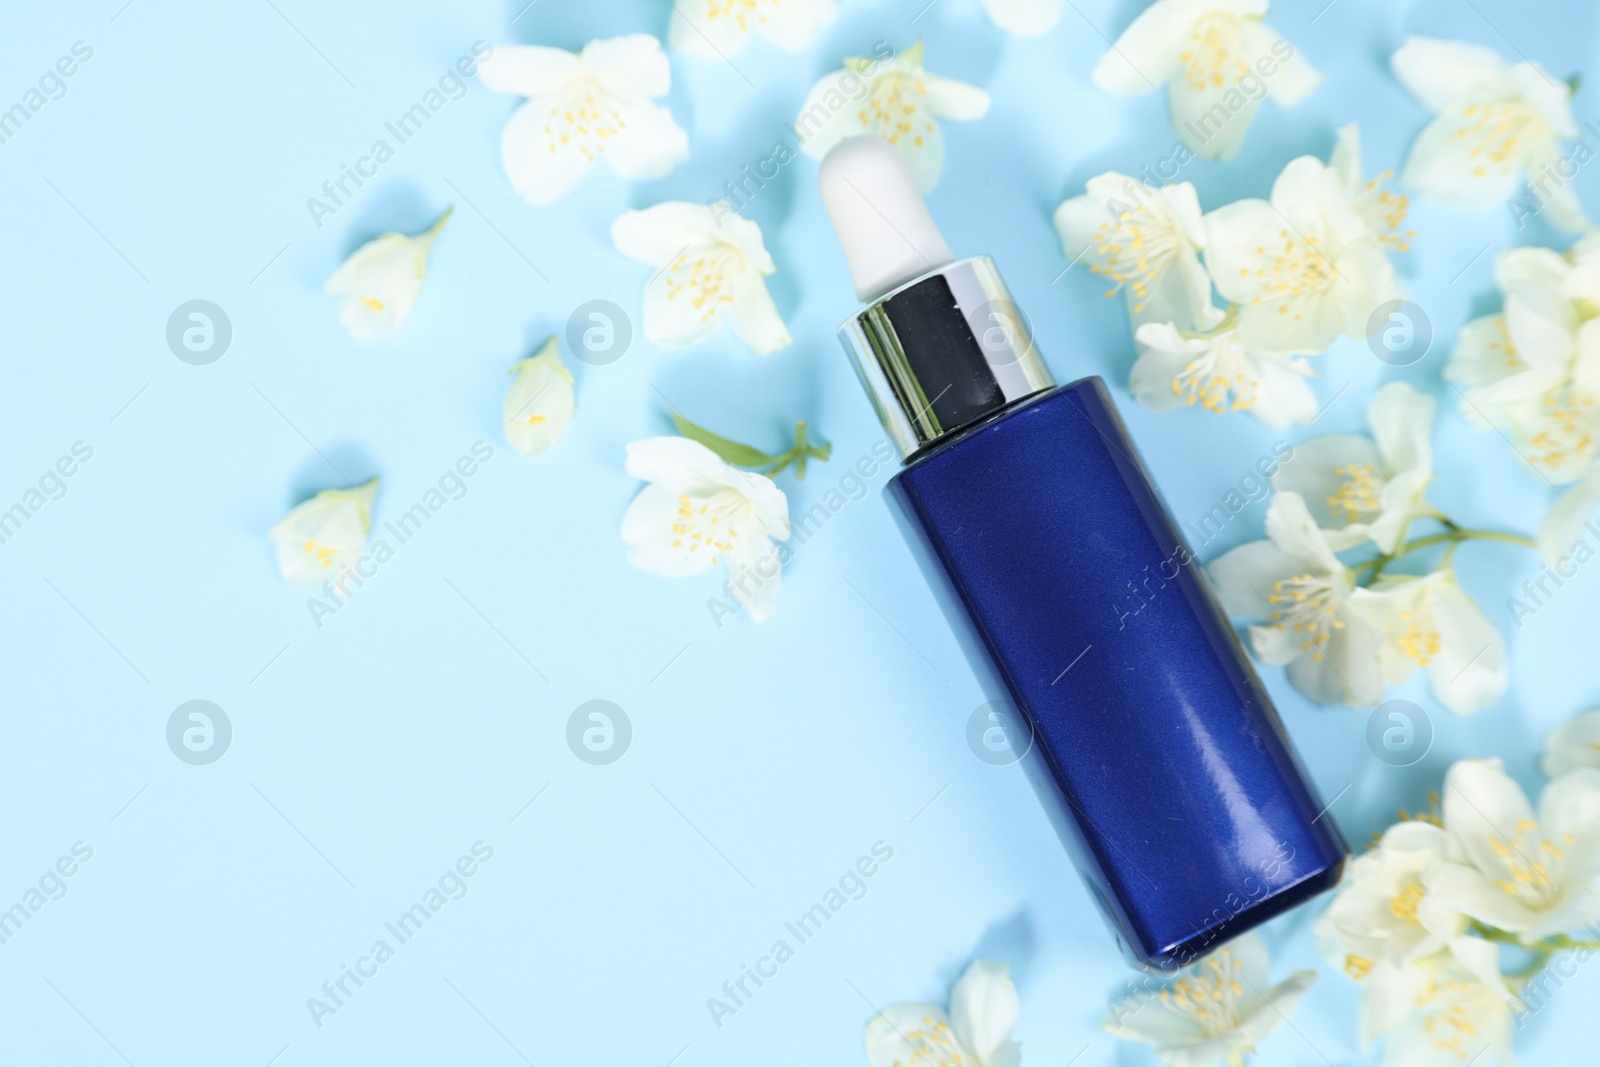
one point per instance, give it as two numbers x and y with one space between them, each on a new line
888 236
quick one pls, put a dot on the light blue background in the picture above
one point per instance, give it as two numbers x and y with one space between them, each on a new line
420 719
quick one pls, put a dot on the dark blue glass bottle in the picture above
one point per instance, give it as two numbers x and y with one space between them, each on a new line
1189 813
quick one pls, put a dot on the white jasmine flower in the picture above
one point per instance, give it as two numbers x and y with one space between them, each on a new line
1218 61
1216 1010
1573 744
1483 355
325 533
1297 592
1146 241
1448 1010
380 281
890 98
1383 211
1431 623
1534 369
597 102
1305 267
1024 18
1583 280
1566 523
1494 121
976 1032
1382 910
718 29
1219 374
1539 318
697 510
709 261
539 403
1359 487
1532 874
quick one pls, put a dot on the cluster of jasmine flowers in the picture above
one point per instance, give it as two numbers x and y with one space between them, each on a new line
1456 923
1230 310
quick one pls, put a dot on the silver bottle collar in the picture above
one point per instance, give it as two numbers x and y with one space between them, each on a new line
943 351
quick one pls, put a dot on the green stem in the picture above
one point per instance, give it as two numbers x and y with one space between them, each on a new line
1449 554
1539 958
1496 535
432 234
1229 320
802 451
1449 536
1493 933
1540 953
1562 942
1452 536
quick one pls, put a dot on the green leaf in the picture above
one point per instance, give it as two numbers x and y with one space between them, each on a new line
731 451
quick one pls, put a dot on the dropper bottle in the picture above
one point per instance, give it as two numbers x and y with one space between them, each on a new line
1177 789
